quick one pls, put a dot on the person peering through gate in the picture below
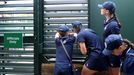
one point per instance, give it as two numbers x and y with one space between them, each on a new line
64 49
90 45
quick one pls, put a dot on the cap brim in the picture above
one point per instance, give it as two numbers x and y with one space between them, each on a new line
100 6
59 30
107 52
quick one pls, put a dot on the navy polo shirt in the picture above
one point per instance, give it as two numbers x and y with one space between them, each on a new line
92 41
68 42
128 63
111 27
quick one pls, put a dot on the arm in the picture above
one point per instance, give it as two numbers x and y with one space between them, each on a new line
83 48
73 34
81 41
114 28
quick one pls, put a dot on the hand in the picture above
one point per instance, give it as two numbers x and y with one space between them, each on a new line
75 66
57 35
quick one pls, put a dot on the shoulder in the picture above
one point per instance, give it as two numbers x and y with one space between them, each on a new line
130 52
113 24
87 33
86 30
83 32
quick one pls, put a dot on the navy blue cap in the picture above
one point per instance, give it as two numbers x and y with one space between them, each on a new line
63 28
111 42
76 24
109 5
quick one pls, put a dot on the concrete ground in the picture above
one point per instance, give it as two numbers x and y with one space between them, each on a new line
47 69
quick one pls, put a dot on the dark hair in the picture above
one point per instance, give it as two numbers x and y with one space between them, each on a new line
129 43
116 18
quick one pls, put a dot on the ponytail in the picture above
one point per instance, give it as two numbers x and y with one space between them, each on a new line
129 43
116 18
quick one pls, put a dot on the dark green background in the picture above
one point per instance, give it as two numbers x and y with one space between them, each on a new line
125 13
14 35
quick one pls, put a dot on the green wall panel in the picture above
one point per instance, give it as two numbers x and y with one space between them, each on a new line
125 13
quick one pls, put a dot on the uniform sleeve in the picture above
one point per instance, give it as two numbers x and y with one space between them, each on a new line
128 65
80 38
114 28
56 41
73 39
74 36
